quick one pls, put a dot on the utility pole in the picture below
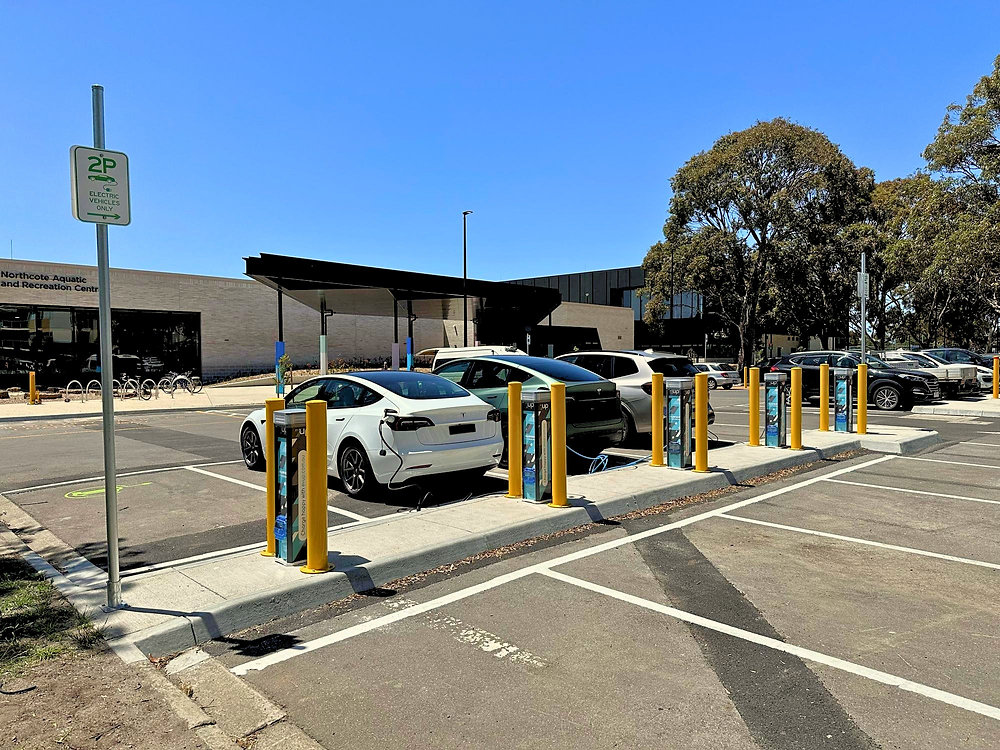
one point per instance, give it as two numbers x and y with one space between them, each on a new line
465 278
863 298
107 378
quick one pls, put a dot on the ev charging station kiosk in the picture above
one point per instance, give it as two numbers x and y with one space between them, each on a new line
290 480
775 412
680 392
536 407
843 399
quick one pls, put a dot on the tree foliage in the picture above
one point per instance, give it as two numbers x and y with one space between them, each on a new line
755 218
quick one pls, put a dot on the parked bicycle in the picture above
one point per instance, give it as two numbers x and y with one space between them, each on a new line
187 381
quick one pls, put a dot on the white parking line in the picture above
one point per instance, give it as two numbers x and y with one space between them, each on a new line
803 653
942 461
915 492
303 648
231 552
224 478
985 445
347 513
251 485
868 542
120 474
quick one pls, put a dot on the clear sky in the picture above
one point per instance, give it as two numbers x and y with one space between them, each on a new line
359 132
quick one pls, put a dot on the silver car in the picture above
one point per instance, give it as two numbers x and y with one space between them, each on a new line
632 371
720 375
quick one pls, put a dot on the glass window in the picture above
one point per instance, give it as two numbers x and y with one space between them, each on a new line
415 385
344 394
486 374
305 392
454 371
624 366
516 375
556 369
676 367
846 361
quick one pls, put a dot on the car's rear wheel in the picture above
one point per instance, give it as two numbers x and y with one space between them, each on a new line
887 398
629 432
355 471
712 384
727 387
253 451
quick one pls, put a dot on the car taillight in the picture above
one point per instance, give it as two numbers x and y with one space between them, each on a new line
648 388
494 415
397 423
774 368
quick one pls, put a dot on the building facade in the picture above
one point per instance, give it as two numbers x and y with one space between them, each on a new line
211 326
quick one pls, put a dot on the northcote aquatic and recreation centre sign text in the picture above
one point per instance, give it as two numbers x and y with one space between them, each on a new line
50 282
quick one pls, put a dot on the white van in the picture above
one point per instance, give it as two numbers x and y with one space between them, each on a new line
463 352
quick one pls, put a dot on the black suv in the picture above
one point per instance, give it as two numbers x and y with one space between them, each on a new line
888 387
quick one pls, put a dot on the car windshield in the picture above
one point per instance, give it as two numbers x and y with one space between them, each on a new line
416 385
672 366
877 362
556 369
936 358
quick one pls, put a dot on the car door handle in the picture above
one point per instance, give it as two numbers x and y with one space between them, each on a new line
493 398
340 419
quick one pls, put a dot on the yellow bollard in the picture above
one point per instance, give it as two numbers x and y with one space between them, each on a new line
996 377
316 492
558 423
862 399
824 398
701 422
796 420
754 406
515 436
32 391
270 406
656 422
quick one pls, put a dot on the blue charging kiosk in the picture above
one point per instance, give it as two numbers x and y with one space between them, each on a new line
536 471
679 408
775 412
843 399
289 490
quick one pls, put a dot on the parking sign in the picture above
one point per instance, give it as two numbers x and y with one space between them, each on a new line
100 185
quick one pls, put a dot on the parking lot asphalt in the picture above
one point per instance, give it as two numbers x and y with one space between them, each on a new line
183 488
850 606
184 491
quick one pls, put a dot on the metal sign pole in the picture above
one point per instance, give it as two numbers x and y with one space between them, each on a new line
107 376
863 294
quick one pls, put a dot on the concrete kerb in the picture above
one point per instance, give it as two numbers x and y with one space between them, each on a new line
313 591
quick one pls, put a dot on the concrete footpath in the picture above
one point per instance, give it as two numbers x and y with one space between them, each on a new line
177 605
210 398
984 406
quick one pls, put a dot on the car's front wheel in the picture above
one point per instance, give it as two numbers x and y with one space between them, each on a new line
253 451
887 398
355 471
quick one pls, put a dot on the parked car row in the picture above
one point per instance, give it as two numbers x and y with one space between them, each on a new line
889 387
390 428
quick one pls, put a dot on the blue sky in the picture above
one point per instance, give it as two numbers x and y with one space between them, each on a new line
359 132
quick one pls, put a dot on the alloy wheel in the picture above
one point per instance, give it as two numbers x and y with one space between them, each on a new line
887 398
352 470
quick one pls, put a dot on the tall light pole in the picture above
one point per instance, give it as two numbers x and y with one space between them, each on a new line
465 277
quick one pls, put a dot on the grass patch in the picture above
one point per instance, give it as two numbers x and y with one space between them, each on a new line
36 623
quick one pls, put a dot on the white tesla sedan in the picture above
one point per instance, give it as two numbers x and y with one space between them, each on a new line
392 428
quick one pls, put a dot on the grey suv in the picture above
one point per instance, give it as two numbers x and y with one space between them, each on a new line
632 371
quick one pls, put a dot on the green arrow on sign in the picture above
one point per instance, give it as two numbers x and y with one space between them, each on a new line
105 216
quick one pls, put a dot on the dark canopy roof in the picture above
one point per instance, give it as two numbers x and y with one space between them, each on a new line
363 290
